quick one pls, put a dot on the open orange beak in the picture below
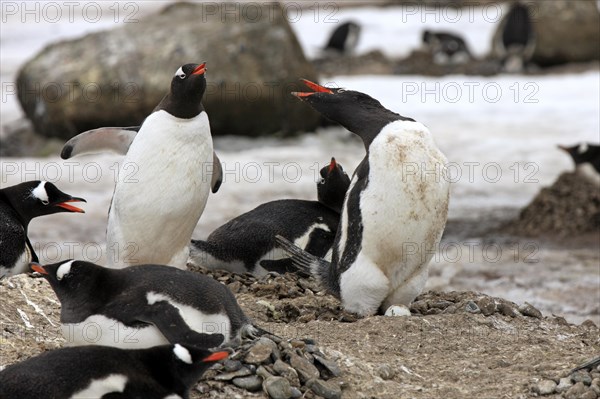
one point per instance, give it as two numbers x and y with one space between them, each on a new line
71 208
317 89
36 267
200 69
332 165
216 356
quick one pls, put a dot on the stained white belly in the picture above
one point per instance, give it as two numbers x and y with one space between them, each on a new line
161 193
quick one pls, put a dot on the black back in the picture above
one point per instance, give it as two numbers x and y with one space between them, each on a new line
120 294
151 373
331 189
184 99
518 28
339 37
585 153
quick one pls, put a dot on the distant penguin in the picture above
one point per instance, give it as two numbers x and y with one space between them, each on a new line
18 205
587 160
94 372
515 41
344 38
143 306
247 243
163 184
394 212
446 47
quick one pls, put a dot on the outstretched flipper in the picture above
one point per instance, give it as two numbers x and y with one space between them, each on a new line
168 320
117 139
217 175
302 260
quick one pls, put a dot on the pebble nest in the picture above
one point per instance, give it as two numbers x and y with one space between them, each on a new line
570 206
583 382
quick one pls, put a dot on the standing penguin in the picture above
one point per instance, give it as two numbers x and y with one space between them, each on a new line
587 160
247 243
95 372
18 205
514 41
344 38
395 210
446 47
143 306
155 208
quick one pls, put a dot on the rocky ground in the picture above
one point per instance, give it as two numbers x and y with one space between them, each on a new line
453 345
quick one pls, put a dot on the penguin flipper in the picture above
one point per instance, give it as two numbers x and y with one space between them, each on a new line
587 365
302 260
280 266
117 139
217 175
168 320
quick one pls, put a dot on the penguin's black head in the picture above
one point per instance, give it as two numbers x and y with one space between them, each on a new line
37 198
356 111
332 187
188 85
188 363
71 280
582 153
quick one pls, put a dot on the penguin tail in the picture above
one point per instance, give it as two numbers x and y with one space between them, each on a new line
302 260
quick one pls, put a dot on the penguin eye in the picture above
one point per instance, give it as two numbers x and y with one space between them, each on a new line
322 181
341 90
45 202
182 76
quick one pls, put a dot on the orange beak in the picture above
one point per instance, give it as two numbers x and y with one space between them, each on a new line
216 356
71 208
317 89
332 165
36 267
200 69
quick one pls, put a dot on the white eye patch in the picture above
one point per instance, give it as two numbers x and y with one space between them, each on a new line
180 73
40 193
182 353
582 148
63 270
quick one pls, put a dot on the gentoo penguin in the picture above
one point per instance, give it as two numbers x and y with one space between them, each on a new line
587 160
344 38
515 41
18 205
158 201
143 306
162 372
247 243
446 47
394 212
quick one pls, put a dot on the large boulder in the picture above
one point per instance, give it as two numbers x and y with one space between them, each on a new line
116 77
563 31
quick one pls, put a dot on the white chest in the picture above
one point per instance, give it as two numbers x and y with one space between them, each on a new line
112 383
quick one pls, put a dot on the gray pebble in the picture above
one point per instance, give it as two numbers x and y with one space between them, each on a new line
507 310
263 372
576 391
275 353
251 383
385 371
564 384
234 374
581 376
330 368
285 370
487 306
277 388
260 353
311 348
232 365
296 393
306 370
328 390
528 309
443 304
472 307
596 386
545 387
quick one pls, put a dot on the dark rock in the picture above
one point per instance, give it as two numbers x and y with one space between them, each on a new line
296 393
263 372
66 88
326 389
277 388
251 383
487 306
472 307
385 371
576 391
259 353
581 376
329 368
285 370
233 374
232 365
306 370
528 309
275 353
507 310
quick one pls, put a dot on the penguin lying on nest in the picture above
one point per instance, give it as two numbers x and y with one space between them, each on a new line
395 210
162 372
247 243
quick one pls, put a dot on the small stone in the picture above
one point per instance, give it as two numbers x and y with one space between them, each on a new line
589 324
311 348
296 343
251 383
260 353
596 386
231 375
203 388
443 304
330 368
472 307
296 393
385 371
419 307
309 341
285 370
275 353
328 390
507 310
306 370
581 376
487 306
277 388
564 384
545 387
397 311
528 309
232 365
263 372
576 391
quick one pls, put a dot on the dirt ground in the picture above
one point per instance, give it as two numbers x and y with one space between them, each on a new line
441 351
